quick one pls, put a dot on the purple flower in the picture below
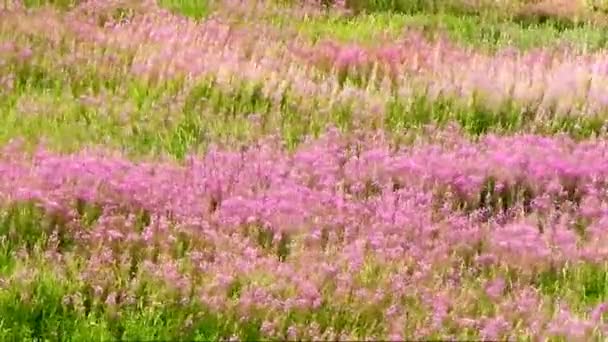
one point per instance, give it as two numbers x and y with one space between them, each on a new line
495 288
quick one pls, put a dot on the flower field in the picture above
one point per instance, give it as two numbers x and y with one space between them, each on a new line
303 170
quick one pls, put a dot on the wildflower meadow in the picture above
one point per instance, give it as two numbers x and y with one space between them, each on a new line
284 170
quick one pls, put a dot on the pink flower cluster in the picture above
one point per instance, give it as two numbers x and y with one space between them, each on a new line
341 222
443 236
158 46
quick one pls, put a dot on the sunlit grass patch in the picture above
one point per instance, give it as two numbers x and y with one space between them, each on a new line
374 28
61 4
195 9
581 285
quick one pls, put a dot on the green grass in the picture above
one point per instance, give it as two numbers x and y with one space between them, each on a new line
196 9
457 7
62 4
488 29
146 119
50 306
581 286
476 119
370 29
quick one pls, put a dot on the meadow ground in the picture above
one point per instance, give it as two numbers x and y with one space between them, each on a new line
303 170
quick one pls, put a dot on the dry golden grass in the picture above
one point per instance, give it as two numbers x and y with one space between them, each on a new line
565 11
555 8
